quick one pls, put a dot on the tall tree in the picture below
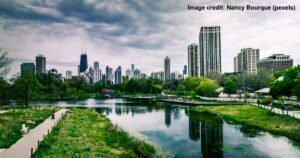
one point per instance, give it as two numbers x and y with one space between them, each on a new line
4 63
26 86
230 87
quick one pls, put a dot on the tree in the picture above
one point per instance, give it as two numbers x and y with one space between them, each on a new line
4 63
26 86
4 91
207 88
296 89
79 82
230 87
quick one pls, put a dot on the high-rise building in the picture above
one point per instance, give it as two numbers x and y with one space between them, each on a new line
185 70
167 68
246 61
210 51
193 60
137 73
83 62
161 75
235 64
97 75
132 71
96 65
40 62
175 75
109 75
128 73
118 75
68 74
27 68
275 62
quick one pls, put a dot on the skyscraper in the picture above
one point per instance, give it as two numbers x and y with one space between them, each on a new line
83 63
210 51
167 68
137 73
185 70
246 61
193 60
97 75
68 74
118 75
128 73
96 65
275 62
27 68
109 75
132 71
40 62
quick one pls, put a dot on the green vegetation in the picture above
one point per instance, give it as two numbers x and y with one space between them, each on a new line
11 122
248 83
287 83
256 117
200 86
84 133
230 87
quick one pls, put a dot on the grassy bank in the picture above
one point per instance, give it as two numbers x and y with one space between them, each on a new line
256 117
84 133
11 122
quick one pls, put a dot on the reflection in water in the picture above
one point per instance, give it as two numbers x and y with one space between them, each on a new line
209 129
168 110
185 133
212 139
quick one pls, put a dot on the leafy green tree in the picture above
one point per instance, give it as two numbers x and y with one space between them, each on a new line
79 83
296 89
4 91
230 87
285 85
207 88
26 86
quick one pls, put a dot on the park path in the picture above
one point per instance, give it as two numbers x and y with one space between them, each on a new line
295 114
4 111
22 148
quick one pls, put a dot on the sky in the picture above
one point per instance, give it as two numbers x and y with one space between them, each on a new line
122 32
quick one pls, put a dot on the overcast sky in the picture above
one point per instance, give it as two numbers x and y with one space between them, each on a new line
121 32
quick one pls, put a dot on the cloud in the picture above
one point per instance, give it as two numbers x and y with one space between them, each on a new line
140 32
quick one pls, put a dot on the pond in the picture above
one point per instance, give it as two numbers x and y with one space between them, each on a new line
178 131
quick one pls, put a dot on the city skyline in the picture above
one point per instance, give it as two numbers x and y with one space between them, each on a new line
127 35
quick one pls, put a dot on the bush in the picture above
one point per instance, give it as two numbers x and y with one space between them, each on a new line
266 101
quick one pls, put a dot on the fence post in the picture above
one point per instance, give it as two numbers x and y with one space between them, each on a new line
31 153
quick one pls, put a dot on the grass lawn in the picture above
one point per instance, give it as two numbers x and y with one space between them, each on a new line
11 122
256 117
85 133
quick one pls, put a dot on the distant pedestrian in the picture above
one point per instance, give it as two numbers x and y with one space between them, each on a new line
258 102
53 114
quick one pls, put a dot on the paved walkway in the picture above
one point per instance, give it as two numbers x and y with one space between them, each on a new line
295 114
22 148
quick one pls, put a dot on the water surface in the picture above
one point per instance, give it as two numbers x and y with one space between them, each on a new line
180 132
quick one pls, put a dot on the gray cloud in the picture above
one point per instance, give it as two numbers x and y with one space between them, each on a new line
141 32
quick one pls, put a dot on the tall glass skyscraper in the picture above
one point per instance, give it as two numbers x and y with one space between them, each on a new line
167 68
40 62
132 71
83 63
210 51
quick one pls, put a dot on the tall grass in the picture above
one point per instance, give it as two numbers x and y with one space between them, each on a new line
84 133
11 122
